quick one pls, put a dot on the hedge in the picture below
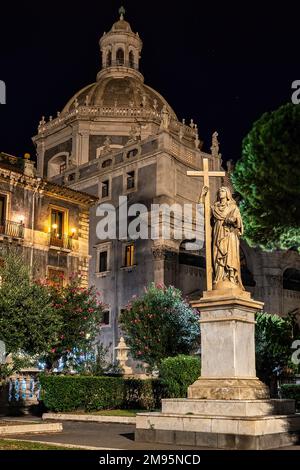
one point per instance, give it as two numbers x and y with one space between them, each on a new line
177 373
291 391
69 393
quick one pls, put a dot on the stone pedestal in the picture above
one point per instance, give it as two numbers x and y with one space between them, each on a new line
228 348
228 407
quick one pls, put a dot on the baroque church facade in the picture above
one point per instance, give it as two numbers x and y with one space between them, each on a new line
119 137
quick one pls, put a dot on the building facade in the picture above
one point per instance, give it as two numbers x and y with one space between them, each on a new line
48 222
119 137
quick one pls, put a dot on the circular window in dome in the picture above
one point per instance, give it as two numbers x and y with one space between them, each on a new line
132 153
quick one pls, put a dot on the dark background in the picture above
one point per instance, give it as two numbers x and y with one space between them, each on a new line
221 63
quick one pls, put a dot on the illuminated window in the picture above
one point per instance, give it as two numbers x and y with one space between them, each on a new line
130 180
129 255
57 224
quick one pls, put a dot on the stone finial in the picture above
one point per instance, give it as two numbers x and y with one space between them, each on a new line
155 104
165 118
122 12
122 356
58 113
144 101
181 133
215 145
50 118
183 121
192 125
86 101
76 103
230 166
29 168
134 133
197 140
42 122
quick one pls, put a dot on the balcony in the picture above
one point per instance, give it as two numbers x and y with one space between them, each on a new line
12 229
64 242
122 63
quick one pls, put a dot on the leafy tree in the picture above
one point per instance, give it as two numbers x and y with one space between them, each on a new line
80 313
267 179
160 324
274 336
27 319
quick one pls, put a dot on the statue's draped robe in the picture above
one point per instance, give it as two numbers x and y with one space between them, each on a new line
226 246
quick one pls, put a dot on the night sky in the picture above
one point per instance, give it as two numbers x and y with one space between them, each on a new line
221 63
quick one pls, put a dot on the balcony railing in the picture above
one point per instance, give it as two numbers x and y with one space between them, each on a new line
122 63
64 241
12 229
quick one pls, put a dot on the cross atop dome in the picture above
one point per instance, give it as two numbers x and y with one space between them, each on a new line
122 12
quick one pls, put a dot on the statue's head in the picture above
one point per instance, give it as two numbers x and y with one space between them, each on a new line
224 193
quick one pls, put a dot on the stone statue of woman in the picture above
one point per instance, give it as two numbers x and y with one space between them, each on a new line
227 229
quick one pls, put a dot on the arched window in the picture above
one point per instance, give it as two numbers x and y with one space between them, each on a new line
57 164
291 279
120 57
107 163
108 59
131 60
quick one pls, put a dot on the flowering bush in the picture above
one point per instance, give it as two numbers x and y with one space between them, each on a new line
160 324
80 311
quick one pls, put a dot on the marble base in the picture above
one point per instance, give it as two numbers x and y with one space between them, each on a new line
237 408
228 389
240 424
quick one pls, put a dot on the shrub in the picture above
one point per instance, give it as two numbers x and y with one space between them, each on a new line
177 373
69 393
178 332
291 391
143 394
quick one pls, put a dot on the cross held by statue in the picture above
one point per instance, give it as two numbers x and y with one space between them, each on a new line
206 175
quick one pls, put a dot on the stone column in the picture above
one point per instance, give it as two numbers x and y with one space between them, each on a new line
228 347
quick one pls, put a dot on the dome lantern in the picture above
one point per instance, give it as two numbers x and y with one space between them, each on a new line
121 49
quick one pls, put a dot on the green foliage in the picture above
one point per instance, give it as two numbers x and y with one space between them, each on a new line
143 394
69 393
291 391
274 336
267 179
177 373
27 319
80 314
160 324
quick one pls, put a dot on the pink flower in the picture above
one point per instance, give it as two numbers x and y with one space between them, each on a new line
53 350
62 337
85 318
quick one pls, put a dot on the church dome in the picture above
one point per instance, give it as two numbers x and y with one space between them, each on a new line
124 92
121 25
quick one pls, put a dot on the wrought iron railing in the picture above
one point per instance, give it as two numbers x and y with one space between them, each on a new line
61 241
12 229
